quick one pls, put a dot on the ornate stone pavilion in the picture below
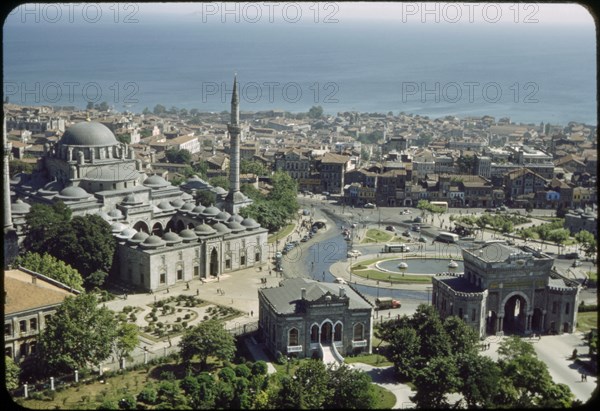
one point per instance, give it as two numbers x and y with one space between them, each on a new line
507 289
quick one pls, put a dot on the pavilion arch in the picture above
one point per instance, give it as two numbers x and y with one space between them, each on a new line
293 337
338 331
516 309
142 226
157 229
214 262
358 332
326 334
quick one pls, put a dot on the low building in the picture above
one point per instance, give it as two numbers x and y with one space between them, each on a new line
510 290
304 317
30 299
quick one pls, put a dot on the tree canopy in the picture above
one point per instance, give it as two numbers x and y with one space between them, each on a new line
51 267
178 156
209 338
79 334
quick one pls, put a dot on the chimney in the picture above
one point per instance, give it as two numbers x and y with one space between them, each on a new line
342 292
303 293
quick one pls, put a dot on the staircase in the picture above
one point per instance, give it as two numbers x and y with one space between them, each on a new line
329 356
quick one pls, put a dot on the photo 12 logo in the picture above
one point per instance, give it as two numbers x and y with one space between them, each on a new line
77 13
470 12
469 92
271 92
270 12
70 92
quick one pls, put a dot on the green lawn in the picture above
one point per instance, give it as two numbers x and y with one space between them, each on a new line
374 274
384 398
587 321
376 360
284 232
377 236
592 275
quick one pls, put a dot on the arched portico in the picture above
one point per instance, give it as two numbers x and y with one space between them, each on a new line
517 315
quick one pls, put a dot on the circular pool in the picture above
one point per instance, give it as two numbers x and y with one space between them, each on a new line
420 265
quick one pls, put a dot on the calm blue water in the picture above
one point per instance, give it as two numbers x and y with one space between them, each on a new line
528 72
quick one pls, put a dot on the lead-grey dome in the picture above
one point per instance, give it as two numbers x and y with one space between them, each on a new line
187 235
73 193
222 217
171 238
204 229
138 238
155 181
210 211
250 223
221 228
236 227
236 217
19 207
89 133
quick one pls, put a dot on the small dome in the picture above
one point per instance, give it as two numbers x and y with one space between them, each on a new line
155 181
204 229
186 197
236 217
138 237
188 235
250 223
210 211
73 193
117 227
221 228
116 213
126 233
164 205
177 203
153 241
187 207
88 133
19 207
130 200
222 216
236 227
198 209
171 238
219 191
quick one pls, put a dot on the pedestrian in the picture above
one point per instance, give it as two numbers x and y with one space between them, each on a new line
489 345
169 339
581 377
197 291
251 313
187 285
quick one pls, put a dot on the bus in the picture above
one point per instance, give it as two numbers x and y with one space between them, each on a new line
447 237
396 248
442 204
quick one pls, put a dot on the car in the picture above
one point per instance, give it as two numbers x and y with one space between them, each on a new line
422 240
415 227
353 225
325 193
572 256
340 280
304 239
406 233
390 228
369 205
576 263
354 253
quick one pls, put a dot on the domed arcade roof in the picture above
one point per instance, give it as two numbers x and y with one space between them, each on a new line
155 181
89 133
73 193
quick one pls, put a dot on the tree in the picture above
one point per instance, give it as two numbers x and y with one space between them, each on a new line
288 397
18 166
11 375
201 391
208 338
313 379
177 156
253 167
78 335
559 236
146 111
251 192
89 105
51 267
514 347
201 168
404 351
159 109
220 181
96 279
206 197
44 224
349 389
465 164
315 112
434 381
102 106
285 193
87 244
479 379
586 240
365 154
432 336
126 340
462 337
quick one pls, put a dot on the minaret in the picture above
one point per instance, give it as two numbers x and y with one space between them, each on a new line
234 139
6 178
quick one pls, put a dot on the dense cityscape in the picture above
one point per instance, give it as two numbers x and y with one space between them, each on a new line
226 212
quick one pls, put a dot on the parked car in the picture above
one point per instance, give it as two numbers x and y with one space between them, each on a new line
305 238
340 280
572 256
406 233
354 253
391 228
369 205
422 240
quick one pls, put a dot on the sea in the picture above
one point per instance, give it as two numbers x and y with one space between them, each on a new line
529 73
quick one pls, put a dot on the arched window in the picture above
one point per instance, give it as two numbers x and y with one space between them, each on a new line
337 332
314 334
358 332
293 336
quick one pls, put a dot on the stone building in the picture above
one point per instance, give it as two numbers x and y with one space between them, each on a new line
508 289
30 299
307 318
164 235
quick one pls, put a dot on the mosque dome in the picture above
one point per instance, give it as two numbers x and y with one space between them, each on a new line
73 193
211 211
250 224
138 238
198 209
188 235
177 203
164 205
221 228
155 181
126 233
19 207
117 227
153 241
130 199
204 229
222 216
171 238
187 207
236 217
236 227
89 133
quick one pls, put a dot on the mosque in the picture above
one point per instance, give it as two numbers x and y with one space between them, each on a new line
164 236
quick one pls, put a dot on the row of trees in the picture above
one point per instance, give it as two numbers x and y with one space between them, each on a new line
84 243
504 223
81 334
278 207
442 357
